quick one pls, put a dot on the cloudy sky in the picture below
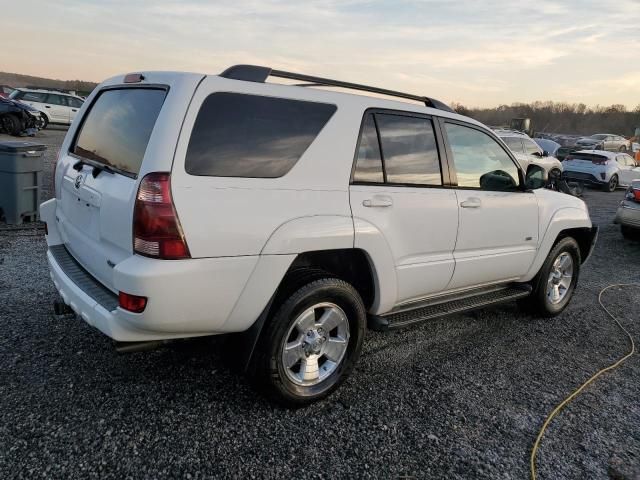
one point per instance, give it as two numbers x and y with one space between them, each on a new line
479 53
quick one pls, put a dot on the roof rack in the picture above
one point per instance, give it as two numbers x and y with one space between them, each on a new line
256 73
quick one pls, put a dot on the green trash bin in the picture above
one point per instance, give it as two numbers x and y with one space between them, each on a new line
21 165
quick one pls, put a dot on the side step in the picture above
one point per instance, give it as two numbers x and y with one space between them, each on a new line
450 306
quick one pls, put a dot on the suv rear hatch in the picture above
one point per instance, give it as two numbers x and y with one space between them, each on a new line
125 132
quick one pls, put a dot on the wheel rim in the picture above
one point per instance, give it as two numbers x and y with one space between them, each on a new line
613 183
315 344
560 278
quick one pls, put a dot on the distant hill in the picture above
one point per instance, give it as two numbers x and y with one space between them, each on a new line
18 80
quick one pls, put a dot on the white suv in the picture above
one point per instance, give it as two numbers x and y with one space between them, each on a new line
54 106
190 205
527 151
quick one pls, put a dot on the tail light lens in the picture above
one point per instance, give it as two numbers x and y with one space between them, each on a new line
132 303
633 194
156 228
599 161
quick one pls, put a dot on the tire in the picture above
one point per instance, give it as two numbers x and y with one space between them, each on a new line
11 124
44 122
540 301
630 233
623 148
612 184
297 322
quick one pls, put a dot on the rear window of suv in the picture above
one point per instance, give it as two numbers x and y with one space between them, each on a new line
240 135
116 130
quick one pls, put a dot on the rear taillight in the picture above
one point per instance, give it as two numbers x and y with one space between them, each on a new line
132 303
156 228
599 161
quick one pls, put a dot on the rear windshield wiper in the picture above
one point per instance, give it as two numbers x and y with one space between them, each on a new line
97 167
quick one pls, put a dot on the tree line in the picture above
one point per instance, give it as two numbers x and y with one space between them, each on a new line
561 117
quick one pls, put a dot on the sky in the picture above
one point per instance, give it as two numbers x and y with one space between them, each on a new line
479 53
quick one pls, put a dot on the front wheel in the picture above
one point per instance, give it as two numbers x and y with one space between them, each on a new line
623 148
42 122
11 124
556 281
311 344
612 184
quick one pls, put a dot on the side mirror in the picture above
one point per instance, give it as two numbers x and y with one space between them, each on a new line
536 177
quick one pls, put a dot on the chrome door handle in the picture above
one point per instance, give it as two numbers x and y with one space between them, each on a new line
377 202
471 203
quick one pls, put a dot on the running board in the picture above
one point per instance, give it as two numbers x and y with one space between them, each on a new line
451 306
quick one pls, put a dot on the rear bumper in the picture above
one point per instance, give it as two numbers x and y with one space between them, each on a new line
186 298
628 214
582 178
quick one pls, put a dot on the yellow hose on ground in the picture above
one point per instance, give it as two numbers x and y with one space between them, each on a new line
576 392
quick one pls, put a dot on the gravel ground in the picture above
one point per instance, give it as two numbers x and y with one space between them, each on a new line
462 397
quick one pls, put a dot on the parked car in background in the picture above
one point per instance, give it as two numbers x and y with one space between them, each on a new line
339 212
604 141
607 170
56 107
5 90
17 118
628 214
548 145
528 152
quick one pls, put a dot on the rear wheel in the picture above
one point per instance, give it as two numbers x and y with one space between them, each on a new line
611 185
11 124
623 148
42 122
311 344
556 281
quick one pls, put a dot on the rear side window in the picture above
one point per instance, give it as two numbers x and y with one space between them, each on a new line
238 135
116 130
31 96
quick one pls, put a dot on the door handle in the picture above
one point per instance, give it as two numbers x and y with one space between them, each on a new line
378 201
472 202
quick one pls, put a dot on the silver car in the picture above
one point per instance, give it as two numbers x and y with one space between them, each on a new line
628 214
604 141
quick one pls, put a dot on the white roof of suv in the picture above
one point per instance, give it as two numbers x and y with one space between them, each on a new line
43 90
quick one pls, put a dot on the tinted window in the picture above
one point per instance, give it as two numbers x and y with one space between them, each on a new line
117 128
480 161
56 99
514 143
31 96
74 102
409 150
530 146
369 162
237 135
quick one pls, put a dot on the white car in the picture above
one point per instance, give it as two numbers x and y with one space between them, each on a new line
528 152
54 106
190 204
608 170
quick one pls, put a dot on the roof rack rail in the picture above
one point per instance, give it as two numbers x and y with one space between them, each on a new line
259 74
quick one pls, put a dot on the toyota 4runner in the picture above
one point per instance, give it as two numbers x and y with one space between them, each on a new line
297 217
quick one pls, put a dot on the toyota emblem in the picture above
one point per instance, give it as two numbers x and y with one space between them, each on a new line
78 181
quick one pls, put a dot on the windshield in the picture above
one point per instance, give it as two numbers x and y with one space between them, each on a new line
116 130
599 136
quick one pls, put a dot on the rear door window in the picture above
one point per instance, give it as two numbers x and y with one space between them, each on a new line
116 130
31 97
409 150
531 147
369 160
240 135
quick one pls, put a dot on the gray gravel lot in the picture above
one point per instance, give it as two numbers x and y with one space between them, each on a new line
462 397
